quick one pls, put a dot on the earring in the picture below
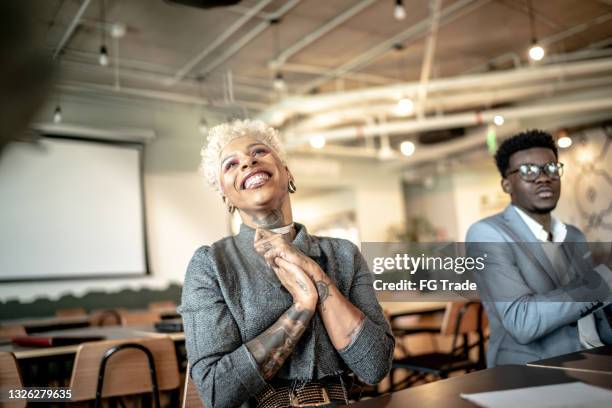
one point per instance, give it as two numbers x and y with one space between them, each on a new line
292 188
230 208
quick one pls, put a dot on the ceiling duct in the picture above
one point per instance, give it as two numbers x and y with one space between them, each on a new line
205 4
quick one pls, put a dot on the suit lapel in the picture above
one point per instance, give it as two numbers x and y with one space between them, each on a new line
514 221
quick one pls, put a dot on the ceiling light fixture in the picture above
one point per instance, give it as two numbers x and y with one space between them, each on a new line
536 52
57 114
103 57
317 141
564 142
407 148
399 12
203 126
404 107
279 82
498 120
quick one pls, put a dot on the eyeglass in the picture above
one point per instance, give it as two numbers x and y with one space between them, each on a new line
530 172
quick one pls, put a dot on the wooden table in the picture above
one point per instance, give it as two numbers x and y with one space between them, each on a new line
597 360
445 393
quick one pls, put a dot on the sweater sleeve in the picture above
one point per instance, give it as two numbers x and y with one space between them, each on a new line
223 370
370 355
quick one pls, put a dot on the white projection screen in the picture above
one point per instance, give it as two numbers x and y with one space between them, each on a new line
71 209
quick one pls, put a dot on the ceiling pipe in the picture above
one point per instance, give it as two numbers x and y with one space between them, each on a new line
453 121
469 100
247 38
180 74
318 33
430 49
71 28
325 102
78 87
447 15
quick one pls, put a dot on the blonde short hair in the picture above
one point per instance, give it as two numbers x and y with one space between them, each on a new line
220 135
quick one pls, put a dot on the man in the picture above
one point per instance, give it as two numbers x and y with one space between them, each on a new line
542 299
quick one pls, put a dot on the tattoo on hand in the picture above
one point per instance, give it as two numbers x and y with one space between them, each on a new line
302 285
271 348
323 291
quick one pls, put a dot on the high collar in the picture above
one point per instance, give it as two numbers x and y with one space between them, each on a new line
302 241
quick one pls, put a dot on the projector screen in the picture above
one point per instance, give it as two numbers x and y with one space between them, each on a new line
71 209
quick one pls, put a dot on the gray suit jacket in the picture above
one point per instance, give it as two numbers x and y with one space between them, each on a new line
532 314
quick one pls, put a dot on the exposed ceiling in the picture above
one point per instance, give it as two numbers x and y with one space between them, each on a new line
351 54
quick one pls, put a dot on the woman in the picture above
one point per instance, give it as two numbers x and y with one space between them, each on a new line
274 316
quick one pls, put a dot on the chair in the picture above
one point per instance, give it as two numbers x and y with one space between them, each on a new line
139 317
10 378
72 312
106 317
191 398
461 319
8 332
116 368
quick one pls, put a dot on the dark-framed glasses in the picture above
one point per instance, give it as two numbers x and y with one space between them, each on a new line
531 172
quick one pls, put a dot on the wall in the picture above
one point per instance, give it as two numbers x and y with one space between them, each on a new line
182 212
472 191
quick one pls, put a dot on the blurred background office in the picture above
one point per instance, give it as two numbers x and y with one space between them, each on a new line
390 111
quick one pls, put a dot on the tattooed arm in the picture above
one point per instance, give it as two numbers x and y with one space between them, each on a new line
271 348
341 318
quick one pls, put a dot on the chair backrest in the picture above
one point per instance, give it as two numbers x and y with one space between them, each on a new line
105 317
462 318
6 332
75 311
10 378
127 371
191 398
139 317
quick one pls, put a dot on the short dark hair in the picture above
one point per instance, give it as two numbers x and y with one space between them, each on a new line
522 141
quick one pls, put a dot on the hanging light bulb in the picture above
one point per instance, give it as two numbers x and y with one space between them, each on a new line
536 52
399 12
564 142
57 114
279 82
498 120
407 148
317 141
404 107
103 58
203 126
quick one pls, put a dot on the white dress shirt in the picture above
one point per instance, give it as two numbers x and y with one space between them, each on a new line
589 337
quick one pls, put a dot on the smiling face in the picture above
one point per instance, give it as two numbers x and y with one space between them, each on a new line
252 177
539 196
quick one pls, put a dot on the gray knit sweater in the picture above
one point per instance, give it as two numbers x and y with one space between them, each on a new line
231 296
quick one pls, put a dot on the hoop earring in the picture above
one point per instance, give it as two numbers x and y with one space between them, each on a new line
292 189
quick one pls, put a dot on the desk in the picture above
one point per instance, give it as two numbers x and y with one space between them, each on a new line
597 360
445 393
109 332
41 324
400 309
